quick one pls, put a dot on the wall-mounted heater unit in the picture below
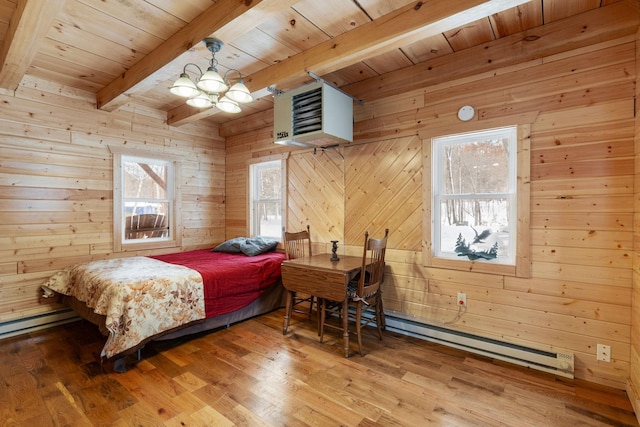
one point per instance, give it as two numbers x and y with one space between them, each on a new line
313 115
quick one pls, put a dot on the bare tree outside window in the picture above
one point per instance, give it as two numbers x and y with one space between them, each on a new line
474 195
266 196
146 204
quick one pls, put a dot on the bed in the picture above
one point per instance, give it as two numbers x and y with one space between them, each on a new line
138 299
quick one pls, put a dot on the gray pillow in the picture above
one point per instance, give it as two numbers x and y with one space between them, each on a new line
231 246
258 245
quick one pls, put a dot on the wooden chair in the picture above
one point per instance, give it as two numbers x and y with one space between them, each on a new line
298 245
364 292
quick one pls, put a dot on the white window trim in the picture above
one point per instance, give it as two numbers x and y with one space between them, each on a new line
522 267
175 224
283 176
438 145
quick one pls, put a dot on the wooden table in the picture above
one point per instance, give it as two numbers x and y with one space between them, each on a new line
319 276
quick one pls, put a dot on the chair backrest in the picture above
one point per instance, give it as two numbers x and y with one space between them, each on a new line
372 269
297 244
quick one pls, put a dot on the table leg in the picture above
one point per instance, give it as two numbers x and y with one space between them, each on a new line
345 326
287 312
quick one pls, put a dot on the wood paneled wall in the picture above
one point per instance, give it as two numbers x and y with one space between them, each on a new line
633 385
582 198
315 188
56 182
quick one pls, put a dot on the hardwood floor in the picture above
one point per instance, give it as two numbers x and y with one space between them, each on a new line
250 374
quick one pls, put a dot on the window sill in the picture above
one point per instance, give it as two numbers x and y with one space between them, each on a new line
132 247
475 266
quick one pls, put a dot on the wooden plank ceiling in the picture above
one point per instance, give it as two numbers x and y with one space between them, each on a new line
132 52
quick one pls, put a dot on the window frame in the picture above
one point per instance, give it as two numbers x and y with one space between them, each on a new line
439 146
174 198
522 266
251 165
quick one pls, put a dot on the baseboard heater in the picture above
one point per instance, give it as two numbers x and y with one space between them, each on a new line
560 363
35 323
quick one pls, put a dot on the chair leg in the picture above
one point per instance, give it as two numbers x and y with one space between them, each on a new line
359 327
379 318
311 307
322 314
319 302
289 309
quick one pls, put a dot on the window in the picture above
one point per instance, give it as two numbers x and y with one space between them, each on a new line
479 201
145 212
266 195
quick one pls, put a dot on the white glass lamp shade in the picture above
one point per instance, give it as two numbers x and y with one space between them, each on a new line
239 93
228 106
211 81
201 100
184 87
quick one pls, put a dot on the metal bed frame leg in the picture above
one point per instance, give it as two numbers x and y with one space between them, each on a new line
120 366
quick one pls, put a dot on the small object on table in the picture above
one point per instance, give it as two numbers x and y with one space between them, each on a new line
334 250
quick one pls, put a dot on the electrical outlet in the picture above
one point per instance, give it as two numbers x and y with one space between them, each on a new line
603 353
462 299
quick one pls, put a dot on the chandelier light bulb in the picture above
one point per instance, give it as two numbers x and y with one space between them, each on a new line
211 81
201 100
184 87
239 93
228 106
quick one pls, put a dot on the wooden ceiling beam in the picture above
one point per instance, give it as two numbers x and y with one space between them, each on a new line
29 24
575 32
400 28
397 29
227 18
184 114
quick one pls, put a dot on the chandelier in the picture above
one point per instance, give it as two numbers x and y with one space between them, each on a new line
209 88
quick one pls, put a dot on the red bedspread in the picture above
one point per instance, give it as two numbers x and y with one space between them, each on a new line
231 281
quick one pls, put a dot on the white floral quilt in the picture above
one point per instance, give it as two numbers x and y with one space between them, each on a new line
139 296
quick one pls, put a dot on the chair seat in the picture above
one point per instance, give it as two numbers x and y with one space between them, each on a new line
352 293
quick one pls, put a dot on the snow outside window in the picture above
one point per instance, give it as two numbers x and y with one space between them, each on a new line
474 196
